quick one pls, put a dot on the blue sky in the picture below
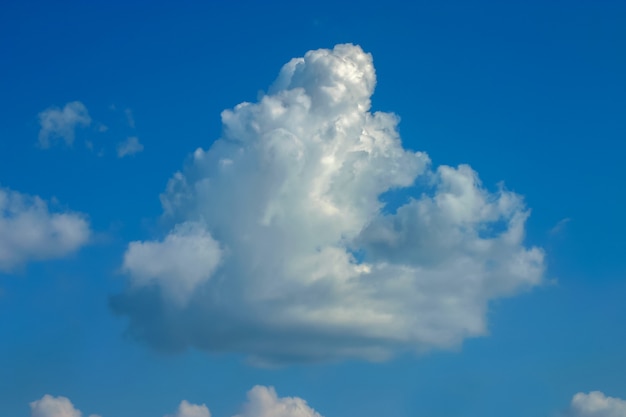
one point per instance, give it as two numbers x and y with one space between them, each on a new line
529 93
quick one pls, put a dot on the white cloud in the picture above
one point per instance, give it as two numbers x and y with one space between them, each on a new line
596 404
49 406
29 230
313 265
129 118
185 409
263 402
185 259
57 123
130 146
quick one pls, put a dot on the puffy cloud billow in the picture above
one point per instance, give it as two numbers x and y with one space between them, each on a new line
186 409
129 147
596 404
283 249
49 406
264 402
30 231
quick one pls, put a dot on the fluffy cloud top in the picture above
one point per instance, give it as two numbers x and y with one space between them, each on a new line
183 260
185 409
596 404
30 231
129 147
49 406
312 265
264 402
57 123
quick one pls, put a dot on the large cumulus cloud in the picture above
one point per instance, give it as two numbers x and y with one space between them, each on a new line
287 250
30 230
57 123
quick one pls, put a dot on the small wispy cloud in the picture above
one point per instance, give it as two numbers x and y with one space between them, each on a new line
61 123
560 226
129 147
130 118
263 401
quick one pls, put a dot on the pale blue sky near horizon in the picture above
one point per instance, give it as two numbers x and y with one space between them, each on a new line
526 92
